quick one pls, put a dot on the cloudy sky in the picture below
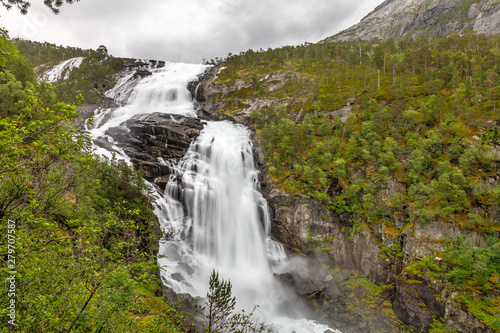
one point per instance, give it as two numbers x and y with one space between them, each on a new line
185 30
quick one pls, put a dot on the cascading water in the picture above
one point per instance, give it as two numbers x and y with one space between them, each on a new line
212 205
65 67
220 220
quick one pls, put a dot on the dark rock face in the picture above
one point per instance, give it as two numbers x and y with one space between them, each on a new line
130 63
415 304
304 223
332 299
189 306
142 73
85 111
149 137
203 88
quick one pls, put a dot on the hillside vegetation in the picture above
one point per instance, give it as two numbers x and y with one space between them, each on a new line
396 132
91 79
78 235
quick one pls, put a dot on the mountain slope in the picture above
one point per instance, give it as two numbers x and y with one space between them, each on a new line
383 159
412 18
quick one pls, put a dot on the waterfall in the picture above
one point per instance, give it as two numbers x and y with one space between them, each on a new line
211 205
214 207
56 73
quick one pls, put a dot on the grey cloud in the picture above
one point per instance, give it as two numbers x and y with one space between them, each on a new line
179 30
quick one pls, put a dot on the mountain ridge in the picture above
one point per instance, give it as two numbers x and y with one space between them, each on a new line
413 18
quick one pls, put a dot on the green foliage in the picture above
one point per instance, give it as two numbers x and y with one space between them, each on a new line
417 128
486 309
367 301
472 272
439 327
38 53
91 79
85 229
16 77
470 268
24 5
467 268
220 304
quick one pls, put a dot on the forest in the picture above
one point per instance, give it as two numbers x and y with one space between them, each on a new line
81 230
418 141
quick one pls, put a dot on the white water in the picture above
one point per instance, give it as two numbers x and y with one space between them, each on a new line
212 205
55 73
220 220
164 91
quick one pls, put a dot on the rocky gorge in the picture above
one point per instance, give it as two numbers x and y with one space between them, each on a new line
361 277
339 251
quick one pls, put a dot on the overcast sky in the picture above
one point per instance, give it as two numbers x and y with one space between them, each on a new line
185 30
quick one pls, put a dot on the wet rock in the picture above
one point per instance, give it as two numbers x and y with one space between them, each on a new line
415 303
104 143
142 73
122 135
188 305
151 139
162 181
85 111
177 277
130 62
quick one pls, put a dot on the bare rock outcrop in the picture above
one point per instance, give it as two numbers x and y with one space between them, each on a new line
155 141
413 18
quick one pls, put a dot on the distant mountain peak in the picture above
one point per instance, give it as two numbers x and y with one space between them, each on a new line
382 5
412 18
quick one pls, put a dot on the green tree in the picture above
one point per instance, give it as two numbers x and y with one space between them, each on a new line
220 304
219 310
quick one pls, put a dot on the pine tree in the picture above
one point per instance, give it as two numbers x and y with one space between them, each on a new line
219 310
220 304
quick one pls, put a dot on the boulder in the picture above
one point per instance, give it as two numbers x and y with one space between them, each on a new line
155 141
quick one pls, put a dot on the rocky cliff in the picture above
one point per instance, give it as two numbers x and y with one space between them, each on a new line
413 18
144 142
354 283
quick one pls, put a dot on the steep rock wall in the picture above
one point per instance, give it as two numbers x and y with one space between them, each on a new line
337 241
413 18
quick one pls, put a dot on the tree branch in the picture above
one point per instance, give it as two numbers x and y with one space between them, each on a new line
92 293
